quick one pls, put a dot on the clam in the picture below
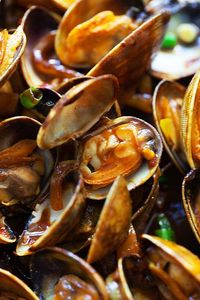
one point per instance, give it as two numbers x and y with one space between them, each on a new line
184 59
124 146
12 287
89 30
12 46
176 270
58 211
190 196
130 59
167 103
65 275
40 65
190 130
114 221
24 168
78 110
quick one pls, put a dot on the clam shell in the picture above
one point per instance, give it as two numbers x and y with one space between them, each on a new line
31 23
142 174
14 129
173 91
38 23
129 60
58 222
77 111
9 283
180 255
189 119
55 263
113 224
82 11
190 197
12 67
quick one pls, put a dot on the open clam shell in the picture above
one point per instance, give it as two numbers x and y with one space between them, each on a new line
129 60
190 196
11 49
86 10
40 65
58 264
78 110
12 287
167 102
175 269
183 60
26 168
108 138
113 224
58 213
190 130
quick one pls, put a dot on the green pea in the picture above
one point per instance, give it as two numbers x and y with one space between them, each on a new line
30 97
165 230
169 41
165 234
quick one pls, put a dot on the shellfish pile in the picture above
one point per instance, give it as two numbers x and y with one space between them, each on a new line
99 149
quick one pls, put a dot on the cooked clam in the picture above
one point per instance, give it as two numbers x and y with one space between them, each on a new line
167 104
78 110
12 287
40 65
124 146
130 59
57 213
175 269
89 30
191 200
65 276
190 126
12 46
24 167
